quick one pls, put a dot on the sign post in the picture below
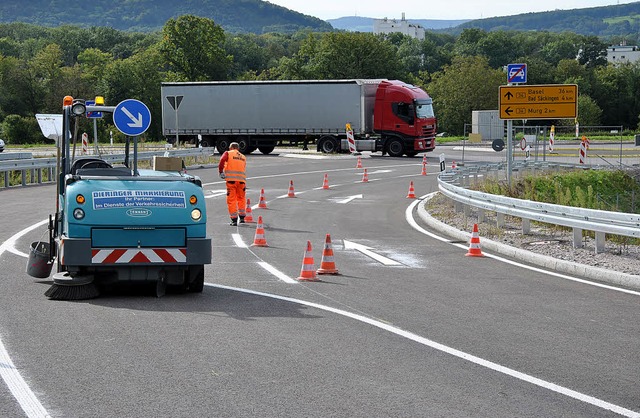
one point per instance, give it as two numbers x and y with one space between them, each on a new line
95 116
175 101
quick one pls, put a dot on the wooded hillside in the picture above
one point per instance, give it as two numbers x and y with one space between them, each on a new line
244 16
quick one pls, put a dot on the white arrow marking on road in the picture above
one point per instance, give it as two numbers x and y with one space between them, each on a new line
350 198
136 122
215 193
348 245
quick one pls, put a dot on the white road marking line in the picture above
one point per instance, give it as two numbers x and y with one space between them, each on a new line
280 275
237 239
9 245
19 388
215 193
350 245
449 350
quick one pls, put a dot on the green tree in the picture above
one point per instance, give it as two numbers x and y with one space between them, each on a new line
593 52
500 48
589 113
467 84
137 77
21 130
616 90
343 55
194 48
468 42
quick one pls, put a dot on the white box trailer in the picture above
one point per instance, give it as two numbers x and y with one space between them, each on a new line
488 124
258 114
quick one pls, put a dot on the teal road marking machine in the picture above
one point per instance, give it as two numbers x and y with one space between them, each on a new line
117 224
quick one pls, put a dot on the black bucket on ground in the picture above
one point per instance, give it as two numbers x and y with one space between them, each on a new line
39 264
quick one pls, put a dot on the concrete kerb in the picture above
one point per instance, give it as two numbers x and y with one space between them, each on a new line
561 266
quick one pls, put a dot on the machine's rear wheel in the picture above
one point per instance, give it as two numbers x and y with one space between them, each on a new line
197 285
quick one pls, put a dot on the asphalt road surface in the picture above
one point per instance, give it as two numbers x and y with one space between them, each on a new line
409 328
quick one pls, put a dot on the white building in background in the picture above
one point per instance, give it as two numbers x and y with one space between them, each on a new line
403 26
623 53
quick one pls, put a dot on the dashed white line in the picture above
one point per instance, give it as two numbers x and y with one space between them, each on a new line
280 275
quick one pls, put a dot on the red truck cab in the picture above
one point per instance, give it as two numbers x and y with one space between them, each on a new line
404 117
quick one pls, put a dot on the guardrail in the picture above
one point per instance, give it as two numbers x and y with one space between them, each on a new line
42 170
452 184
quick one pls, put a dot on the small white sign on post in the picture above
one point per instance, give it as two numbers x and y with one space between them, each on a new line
50 125
443 166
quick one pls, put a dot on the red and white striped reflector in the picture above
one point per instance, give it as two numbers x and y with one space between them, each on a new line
138 255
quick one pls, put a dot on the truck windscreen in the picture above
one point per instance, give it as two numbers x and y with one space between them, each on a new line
424 109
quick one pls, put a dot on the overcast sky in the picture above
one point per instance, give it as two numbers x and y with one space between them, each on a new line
425 9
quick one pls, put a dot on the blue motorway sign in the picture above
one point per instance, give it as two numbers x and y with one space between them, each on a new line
517 73
92 115
132 117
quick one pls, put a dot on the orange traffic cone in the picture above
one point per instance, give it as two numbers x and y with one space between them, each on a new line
291 192
325 183
327 264
249 216
359 164
412 193
474 246
259 240
365 177
262 204
308 272
424 169
453 165
424 159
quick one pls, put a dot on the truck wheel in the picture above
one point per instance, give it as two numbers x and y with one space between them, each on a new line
395 148
267 149
243 145
328 144
223 145
206 142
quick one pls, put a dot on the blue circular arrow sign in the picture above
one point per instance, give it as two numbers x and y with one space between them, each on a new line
132 117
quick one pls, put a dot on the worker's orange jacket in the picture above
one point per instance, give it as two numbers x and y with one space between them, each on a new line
235 166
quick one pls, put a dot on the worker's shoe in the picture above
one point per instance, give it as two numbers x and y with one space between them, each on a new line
234 222
242 219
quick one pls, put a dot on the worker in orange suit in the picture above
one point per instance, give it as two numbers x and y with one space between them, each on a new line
232 168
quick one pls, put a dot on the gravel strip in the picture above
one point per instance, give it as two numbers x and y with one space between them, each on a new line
544 239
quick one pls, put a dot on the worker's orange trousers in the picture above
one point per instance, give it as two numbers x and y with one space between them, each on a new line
236 199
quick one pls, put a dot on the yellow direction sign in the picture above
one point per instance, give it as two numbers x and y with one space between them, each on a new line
545 101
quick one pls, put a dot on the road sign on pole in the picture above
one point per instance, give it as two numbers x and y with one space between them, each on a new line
175 101
92 115
132 117
551 101
516 73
